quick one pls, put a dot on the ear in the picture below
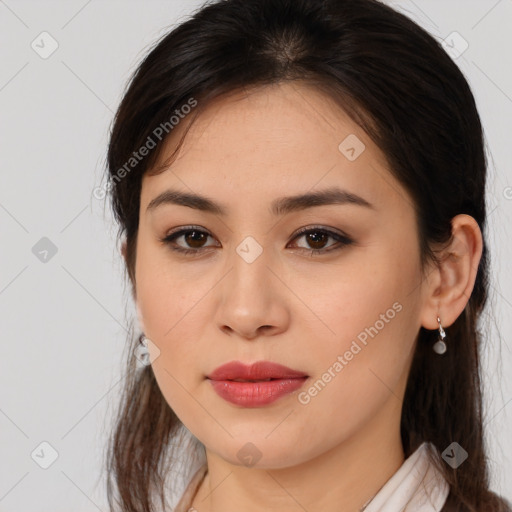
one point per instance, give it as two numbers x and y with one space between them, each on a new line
123 252
139 317
123 249
451 282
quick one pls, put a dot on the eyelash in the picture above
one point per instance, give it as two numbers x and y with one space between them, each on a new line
343 239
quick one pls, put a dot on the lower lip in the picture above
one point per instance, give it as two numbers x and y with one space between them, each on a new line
255 394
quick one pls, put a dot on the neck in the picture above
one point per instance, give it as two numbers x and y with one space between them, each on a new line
342 479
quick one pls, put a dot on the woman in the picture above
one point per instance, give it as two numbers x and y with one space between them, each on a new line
301 188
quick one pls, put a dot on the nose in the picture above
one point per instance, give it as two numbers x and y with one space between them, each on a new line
251 300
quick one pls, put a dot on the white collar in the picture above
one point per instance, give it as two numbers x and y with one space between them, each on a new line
417 486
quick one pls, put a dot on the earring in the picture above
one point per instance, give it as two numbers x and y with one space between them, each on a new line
142 352
440 346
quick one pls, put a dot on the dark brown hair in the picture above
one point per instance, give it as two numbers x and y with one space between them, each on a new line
402 88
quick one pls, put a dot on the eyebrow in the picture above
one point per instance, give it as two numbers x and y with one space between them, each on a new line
279 206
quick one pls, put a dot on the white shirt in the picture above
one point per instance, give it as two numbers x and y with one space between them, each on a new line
417 486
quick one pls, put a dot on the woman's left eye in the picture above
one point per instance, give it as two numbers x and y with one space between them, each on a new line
318 236
314 236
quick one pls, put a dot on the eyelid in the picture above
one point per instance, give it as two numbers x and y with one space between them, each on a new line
300 231
191 227
317 227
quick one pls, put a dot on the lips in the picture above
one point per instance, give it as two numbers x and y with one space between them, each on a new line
257 372
257 385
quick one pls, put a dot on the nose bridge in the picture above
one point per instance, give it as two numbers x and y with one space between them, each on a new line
248 297
250 273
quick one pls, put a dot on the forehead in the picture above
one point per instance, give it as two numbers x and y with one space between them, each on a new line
287 138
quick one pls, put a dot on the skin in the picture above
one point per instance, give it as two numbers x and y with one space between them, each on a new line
335 452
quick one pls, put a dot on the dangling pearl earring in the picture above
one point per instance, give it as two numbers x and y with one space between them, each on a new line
141 351
440 346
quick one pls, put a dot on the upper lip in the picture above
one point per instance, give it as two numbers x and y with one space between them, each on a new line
259 370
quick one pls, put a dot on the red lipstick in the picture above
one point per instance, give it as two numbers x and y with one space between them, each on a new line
256 385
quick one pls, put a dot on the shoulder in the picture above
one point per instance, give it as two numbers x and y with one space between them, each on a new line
495 503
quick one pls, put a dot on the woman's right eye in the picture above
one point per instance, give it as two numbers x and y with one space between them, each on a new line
192 236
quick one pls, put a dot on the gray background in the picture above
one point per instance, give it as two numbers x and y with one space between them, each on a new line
64 319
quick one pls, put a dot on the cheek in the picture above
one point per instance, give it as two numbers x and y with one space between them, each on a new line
356 376
173 311
371 314
344 301
169 293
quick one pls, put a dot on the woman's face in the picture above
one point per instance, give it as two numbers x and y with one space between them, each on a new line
252 291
